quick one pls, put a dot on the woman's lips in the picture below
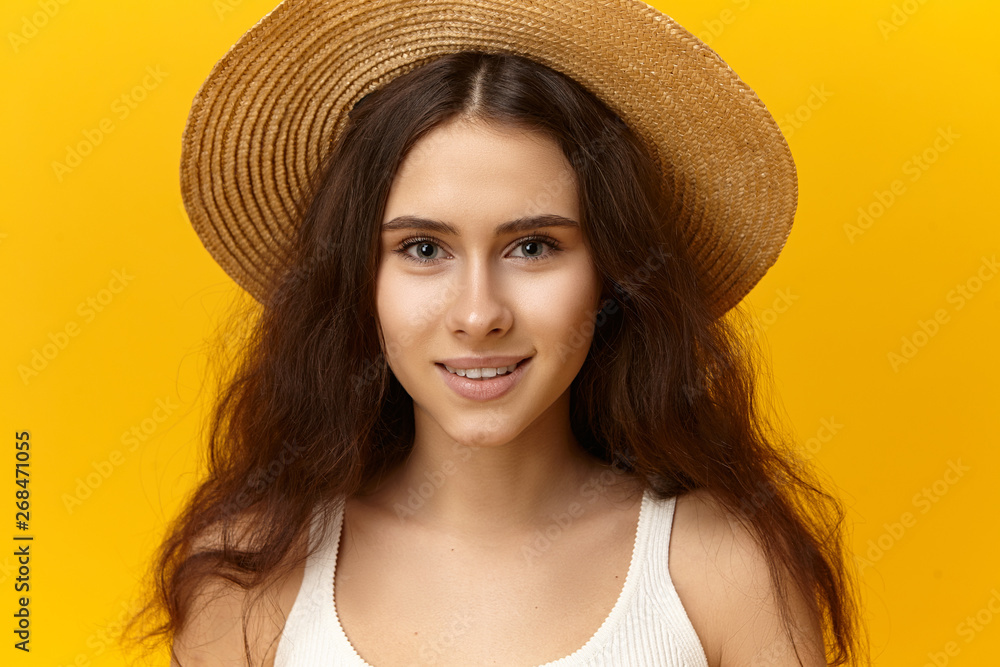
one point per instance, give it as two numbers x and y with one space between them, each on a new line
485 389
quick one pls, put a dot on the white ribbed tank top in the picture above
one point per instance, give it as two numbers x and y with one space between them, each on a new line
647 627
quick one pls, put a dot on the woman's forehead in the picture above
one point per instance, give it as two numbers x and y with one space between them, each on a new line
474 172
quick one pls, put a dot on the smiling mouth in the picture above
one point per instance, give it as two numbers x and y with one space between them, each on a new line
490 372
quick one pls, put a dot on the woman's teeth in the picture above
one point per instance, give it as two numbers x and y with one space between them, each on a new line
481 373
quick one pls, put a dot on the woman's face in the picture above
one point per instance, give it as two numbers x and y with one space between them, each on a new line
482 256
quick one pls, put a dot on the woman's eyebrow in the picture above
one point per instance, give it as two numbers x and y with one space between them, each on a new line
524 224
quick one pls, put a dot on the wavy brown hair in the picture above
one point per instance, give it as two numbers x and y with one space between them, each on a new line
668 391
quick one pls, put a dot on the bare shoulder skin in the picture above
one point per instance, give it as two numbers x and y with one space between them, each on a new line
722 578
213 636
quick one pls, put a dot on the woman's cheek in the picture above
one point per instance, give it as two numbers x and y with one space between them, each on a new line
565 301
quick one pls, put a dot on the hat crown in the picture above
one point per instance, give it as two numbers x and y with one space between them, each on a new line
270 110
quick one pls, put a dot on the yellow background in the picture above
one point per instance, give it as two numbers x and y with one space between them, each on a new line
858 96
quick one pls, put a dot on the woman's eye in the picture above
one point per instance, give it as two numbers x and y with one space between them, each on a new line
426 251
532 249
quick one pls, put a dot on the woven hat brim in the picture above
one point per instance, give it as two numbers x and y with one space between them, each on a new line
271 108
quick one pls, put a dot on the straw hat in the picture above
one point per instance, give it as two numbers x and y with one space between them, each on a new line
272 107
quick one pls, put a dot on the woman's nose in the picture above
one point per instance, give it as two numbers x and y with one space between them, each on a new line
479 301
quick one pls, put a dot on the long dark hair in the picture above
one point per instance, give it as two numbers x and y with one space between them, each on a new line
668 391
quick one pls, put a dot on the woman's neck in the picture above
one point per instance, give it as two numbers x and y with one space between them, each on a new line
494 491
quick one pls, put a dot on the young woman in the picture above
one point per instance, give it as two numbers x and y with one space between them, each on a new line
498 405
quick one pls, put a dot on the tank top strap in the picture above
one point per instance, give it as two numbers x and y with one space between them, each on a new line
306 638
657 542
326 551
660 583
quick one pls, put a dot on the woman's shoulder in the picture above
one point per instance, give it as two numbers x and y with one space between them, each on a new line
721 574
213 633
